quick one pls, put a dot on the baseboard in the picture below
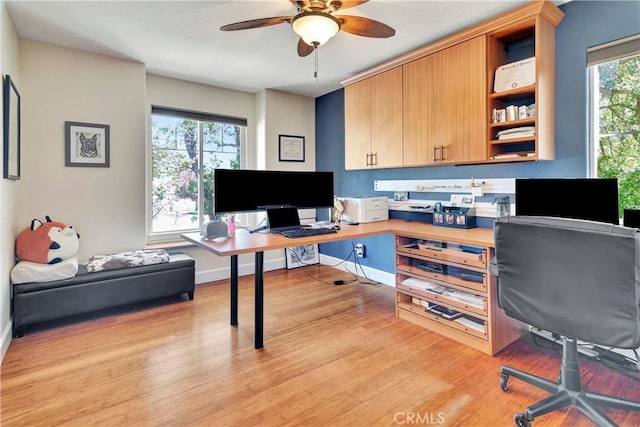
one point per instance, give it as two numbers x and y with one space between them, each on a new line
243 270
6 340
383 277
275 264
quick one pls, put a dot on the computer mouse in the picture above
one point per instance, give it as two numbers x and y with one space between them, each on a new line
335 227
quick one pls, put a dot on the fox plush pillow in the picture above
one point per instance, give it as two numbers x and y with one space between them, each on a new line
47 243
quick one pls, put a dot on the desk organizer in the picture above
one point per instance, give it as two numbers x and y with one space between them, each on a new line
455 217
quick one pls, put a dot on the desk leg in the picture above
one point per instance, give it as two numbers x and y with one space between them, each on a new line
259 303
234 290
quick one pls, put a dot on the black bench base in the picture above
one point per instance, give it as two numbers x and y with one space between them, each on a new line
36 303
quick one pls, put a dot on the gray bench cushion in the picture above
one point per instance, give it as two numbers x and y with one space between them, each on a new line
90 292
175 261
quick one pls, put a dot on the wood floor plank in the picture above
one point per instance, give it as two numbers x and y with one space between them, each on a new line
333 356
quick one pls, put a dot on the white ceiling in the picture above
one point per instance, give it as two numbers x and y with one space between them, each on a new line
181 39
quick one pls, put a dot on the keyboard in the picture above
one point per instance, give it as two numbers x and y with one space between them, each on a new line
306 232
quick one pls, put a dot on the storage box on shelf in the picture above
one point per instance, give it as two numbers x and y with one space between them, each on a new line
445 286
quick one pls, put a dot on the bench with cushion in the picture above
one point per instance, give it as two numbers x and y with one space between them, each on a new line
39 302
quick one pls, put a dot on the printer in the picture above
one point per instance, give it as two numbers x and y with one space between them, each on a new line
364 209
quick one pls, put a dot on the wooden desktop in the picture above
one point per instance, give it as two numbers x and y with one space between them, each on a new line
244 242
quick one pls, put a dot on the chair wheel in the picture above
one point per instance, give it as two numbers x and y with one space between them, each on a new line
503 382
520 420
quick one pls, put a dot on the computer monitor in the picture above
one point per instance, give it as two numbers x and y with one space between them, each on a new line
245 190
594 199
631 218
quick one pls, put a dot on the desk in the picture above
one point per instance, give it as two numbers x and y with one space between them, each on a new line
244 242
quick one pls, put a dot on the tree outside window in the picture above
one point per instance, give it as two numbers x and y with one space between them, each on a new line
616 126
184 153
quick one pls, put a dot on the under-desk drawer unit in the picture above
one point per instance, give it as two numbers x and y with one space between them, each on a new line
444 294
436 317
445 286
433 270
461 254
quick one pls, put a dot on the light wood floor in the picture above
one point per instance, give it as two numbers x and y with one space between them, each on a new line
333 356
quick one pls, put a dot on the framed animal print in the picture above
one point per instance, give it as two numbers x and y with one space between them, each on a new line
86 144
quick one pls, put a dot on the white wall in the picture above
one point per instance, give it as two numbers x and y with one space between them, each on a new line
105 205
9 189
288 114
268 114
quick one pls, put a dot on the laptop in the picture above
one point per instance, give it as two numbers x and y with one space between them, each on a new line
283 219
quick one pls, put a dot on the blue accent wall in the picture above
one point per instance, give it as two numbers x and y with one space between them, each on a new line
586 24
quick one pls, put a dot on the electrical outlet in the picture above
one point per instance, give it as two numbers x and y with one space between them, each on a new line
360 251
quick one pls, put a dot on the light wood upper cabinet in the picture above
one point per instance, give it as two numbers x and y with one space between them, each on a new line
470 116
357 125
444 98
420 99
373 122
434 105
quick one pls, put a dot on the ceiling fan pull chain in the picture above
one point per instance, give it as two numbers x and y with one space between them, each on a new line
315 73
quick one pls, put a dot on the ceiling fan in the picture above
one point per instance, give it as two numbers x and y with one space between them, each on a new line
316 23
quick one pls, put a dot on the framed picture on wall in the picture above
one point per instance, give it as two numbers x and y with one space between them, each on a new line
11 109
86 144
291 148
299 256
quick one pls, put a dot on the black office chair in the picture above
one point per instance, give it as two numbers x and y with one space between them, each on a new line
579 280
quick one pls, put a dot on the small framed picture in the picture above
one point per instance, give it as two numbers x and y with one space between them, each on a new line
299 256
86 144
291 148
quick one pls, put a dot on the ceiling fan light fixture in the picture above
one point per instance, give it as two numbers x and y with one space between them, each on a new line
315 28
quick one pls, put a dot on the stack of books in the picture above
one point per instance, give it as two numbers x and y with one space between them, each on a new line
519 132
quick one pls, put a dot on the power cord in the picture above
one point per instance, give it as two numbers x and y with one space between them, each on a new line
605 356
357 264
294 255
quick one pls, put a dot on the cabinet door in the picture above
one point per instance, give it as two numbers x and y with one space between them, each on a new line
420 103
462 70
447 114
386 118
471 97
357 125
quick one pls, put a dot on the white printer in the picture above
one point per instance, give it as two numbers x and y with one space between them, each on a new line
365 209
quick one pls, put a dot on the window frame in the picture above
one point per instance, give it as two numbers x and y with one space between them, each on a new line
596 55
160 237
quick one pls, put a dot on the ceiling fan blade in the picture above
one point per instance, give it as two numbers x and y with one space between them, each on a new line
300 4
365 27
256 23
345 4
303 48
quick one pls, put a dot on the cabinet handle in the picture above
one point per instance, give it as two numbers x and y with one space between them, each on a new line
442 148
435 154
368 164
374 156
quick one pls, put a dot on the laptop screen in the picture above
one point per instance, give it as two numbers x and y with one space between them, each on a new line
283 218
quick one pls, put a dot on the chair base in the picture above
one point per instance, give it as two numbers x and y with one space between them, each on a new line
567 392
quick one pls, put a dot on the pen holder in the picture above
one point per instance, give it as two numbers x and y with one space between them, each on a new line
455 217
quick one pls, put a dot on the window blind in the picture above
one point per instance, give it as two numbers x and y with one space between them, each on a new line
629 46
195 115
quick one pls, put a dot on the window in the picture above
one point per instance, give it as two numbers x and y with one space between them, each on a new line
614 74
185 149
